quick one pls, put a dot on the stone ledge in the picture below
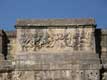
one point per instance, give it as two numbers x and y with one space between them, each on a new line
57 22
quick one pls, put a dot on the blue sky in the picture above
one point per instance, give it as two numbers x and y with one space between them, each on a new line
10 10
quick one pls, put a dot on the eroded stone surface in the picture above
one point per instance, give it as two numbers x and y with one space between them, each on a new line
58 39
69 49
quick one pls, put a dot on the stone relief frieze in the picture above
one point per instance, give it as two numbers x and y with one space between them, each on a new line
37 39
6 76
23 75
60 75
92 75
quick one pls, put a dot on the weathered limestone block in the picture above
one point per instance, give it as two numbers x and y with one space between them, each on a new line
51 36
62 67
55 39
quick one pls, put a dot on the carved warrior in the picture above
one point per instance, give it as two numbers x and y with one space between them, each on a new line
22 75
76 39
32 41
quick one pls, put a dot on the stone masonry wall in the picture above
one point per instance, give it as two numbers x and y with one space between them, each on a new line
54 50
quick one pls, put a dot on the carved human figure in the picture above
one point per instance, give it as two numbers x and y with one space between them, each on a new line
69 39
56 41
24 40
17 75
60 40
88 40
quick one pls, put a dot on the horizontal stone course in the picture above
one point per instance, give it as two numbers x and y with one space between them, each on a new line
47 22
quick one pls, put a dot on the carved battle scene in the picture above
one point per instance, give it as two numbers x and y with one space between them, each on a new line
60 39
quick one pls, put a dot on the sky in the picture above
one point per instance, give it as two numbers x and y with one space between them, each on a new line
11 10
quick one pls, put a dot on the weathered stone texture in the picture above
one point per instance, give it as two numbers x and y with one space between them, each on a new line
54 49
11 46
58 52
55 40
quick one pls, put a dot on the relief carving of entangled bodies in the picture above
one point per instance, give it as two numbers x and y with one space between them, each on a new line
76 39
